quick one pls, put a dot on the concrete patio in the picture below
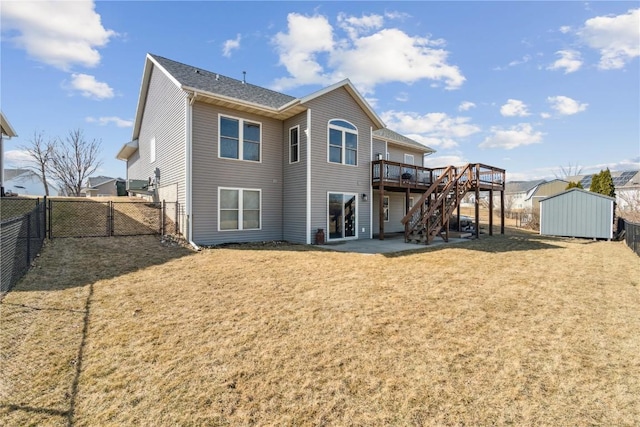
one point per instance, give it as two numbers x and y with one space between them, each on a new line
391 243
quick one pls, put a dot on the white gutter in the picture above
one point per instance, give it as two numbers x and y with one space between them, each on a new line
190 99
308 134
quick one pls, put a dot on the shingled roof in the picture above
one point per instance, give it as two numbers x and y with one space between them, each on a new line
207 81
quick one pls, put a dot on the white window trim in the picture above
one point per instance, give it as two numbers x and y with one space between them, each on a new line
240 210
344 144
327 233
407 156
240 138
152 150
297 144
388 214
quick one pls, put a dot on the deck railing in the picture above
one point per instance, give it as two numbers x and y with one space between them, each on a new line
387 172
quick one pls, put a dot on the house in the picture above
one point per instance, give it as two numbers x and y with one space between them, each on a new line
6 131
246 163
99 186
542 190
627 187
577 213
25 182
518 194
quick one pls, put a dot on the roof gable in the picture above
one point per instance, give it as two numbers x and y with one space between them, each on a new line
590 193
5 127
392 136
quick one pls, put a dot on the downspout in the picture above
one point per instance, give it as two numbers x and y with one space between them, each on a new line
191 98
308 134
370 183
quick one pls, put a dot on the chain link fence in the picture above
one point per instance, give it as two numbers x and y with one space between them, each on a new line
631 233
89 218
12 207
21 238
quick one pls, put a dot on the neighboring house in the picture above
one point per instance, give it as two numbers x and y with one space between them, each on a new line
518 194
246 163
577 213
627 187
25 182
545 189
6 132
98 186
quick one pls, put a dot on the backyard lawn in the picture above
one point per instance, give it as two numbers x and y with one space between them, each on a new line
505 330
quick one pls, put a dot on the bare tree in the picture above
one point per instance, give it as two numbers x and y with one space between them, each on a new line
40 152
73 160
567 171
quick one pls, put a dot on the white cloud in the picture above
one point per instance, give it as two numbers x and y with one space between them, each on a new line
103 121
513 137
402 97
17 158
466 106
565 29
617 38
369 56
523 60
356 26
569 61
439 161
545 115
58 33
431 129
566 106
90 87
514 108
230 45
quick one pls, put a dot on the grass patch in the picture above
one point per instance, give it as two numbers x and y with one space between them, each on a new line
514 329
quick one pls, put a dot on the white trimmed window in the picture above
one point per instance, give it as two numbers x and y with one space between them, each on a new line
152 150
239 209
342 142
239 139
409 159
294 144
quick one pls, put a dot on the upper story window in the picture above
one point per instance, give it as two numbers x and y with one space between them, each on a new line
294 144
343 142
240 139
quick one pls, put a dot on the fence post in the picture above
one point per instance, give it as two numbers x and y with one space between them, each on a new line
28 239
110 218
176 226
50 215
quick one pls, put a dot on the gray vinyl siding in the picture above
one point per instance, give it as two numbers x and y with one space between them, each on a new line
330 177
380 147
210 173
164 119
396 154
295 184
577 213
396 212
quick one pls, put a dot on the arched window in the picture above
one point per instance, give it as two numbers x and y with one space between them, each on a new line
343 142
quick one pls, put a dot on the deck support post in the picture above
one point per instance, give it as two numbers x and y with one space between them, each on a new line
477 204
491 212
381 208
502 209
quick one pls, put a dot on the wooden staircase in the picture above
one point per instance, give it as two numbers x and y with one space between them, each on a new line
430 216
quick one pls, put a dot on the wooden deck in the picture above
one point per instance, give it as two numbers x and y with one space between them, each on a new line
401 176
442 191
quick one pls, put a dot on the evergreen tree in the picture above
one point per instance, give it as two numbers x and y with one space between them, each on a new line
606 184
573 185
595 183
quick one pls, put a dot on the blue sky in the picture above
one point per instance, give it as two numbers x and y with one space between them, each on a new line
531 87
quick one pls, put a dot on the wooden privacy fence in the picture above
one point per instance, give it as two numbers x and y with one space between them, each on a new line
89 218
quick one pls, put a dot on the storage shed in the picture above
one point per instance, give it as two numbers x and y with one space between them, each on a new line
577 213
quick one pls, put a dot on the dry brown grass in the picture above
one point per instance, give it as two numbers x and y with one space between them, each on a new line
513 329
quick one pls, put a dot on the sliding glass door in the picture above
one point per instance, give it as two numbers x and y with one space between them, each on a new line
342 215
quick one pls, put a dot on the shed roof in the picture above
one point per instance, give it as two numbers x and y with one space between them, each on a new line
590 193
